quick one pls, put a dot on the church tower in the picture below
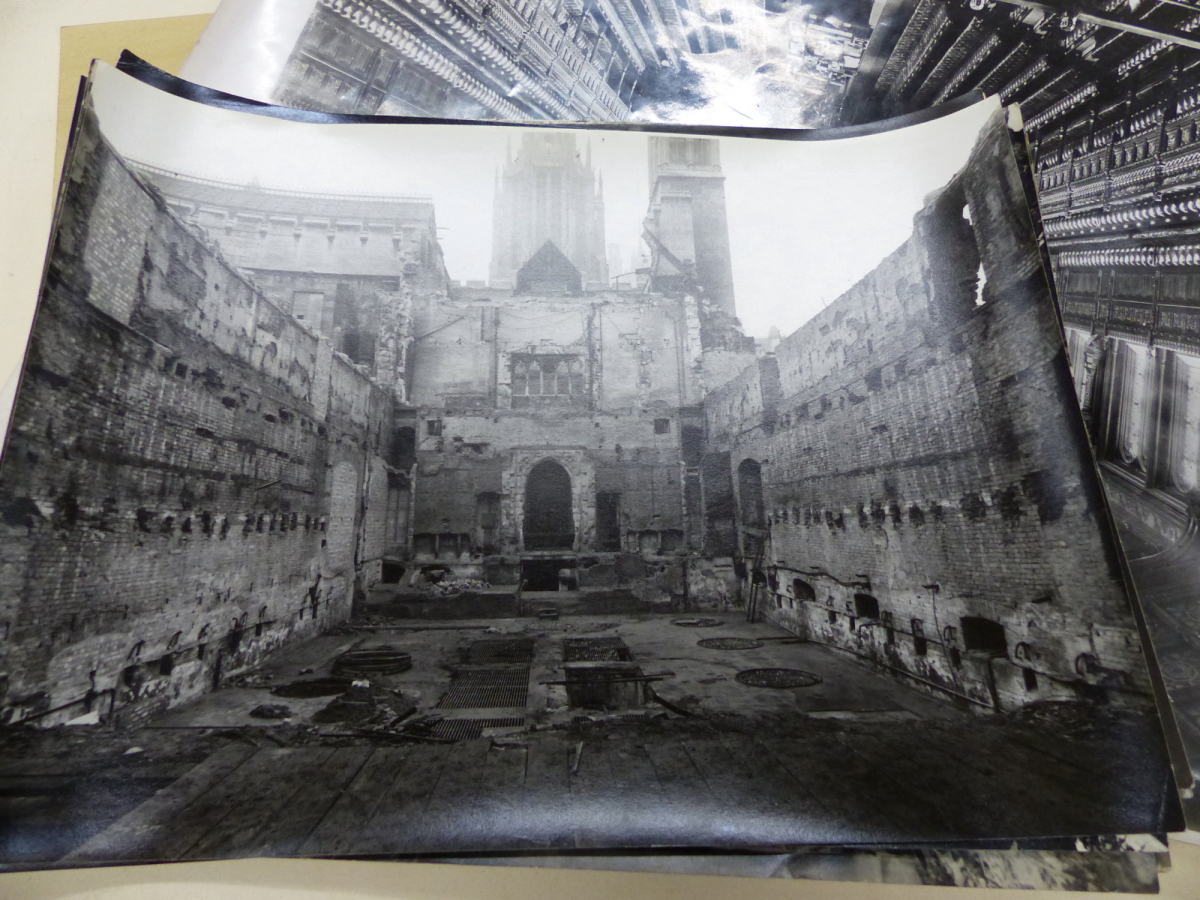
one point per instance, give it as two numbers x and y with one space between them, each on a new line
548 193
686 227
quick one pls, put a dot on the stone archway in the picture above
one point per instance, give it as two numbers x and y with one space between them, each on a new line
549 521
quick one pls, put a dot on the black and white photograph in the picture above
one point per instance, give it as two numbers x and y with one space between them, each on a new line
778 63
1111 108
1111 104
403 489
732 62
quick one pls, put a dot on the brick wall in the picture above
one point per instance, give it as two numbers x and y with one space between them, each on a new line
181 488
929 498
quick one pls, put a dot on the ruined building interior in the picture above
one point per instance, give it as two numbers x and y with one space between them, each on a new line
1111 108
291 449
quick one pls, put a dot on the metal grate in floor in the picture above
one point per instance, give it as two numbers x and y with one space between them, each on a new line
595 650
469 729
486 689
500 650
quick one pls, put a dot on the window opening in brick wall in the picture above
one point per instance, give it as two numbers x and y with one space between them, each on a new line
433 427
984 635
866 606
920 645
662 426
802 590
1031 681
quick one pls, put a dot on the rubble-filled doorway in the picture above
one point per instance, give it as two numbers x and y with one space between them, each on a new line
549 524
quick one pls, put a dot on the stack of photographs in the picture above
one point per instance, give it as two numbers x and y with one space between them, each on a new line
627 477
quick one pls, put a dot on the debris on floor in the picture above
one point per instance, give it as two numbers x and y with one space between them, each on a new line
365 704
271 711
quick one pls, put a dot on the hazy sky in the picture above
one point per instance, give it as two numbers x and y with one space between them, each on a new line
806 220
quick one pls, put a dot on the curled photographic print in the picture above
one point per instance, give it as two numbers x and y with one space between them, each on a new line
778 63
733 62
400 489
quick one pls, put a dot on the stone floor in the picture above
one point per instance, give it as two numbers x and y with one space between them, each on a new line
690 757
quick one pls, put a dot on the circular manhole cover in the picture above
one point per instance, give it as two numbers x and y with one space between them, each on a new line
777 678
729 644
381 660
698 623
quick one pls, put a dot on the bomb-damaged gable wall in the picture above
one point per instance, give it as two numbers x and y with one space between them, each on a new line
631 365
182 487
928 499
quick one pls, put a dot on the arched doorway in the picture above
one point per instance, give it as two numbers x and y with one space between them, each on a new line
549 524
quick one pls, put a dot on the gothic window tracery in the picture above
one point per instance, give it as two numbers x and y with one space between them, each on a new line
542 378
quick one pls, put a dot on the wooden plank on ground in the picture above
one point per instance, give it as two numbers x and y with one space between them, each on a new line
588 773
252 779
771 807
904 794
999 787
396 822
258 805
453 817
547 789
773 779
841 784
310 802
610 815
136 834
678 776
502 798
337 834
686 798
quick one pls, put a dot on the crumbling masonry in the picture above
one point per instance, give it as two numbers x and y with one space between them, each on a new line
242 412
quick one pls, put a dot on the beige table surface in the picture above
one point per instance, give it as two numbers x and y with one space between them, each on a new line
32 34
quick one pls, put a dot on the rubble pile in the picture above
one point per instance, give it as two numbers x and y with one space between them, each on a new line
453 588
